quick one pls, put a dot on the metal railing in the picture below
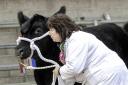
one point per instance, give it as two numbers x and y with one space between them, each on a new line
92 22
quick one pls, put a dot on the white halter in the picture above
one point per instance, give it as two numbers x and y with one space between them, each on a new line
34 47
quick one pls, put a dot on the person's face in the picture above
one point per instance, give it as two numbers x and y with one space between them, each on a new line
54 35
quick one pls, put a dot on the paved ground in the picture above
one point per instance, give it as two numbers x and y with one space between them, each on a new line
27 83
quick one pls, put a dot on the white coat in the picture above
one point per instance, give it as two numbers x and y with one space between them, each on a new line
90 62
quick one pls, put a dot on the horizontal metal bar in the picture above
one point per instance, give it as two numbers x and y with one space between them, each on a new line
8 24
8 46
102 21
9 67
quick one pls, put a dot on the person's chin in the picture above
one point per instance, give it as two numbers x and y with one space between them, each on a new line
56 41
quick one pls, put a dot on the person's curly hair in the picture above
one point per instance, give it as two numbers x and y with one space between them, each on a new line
63 25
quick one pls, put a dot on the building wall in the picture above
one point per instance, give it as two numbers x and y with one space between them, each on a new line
75 8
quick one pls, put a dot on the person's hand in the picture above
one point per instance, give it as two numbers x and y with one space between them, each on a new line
56 71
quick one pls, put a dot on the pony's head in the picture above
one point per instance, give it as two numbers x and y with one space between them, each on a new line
34 27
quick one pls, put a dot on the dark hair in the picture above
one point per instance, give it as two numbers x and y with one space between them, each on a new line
63 25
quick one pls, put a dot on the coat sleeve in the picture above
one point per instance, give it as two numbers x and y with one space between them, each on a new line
76 56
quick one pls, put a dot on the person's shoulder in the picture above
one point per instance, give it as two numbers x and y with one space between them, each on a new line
81 34
78 35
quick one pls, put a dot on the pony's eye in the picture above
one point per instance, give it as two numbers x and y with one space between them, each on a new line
37 31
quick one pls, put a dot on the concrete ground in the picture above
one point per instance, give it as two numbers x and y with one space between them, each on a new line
26 83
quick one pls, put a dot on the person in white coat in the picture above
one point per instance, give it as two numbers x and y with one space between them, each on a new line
85 58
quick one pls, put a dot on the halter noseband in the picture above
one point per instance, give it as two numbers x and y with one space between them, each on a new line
34 47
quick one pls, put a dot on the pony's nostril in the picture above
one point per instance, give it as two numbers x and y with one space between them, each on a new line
20 52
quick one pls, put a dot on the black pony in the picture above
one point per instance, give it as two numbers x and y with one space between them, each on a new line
111 34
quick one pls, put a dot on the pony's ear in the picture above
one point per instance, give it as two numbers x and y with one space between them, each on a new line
21 17
62 10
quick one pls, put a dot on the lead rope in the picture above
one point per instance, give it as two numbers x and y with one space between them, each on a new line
34 47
